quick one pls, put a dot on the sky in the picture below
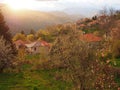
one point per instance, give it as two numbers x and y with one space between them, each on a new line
64 5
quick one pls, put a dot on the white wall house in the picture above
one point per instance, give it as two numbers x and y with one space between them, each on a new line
35 47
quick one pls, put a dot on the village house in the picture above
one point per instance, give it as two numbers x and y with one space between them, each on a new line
91 39
33 47
36 47
19 44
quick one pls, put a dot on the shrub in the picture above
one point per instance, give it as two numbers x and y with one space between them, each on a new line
81 62
6 54
21 54
116 49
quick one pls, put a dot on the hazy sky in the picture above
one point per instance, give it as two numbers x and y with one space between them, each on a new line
59 5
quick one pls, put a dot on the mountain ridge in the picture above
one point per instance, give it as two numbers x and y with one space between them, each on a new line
29 19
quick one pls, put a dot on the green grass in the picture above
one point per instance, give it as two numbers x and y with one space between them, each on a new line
117 78
32 57
117 61
32 80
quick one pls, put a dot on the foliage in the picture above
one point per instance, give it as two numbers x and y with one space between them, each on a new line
91 29
118 14
30 37
7 49
44 35
22 32
54 30
115 33
4 29
6 54
116 49
94 18
21 54
107 20
19 36
32 32
80 60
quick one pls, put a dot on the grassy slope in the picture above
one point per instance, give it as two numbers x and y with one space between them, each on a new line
36 80
32 80
117 79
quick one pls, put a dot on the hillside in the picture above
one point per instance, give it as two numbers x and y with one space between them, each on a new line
26 19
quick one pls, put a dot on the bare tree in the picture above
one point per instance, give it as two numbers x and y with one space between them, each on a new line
107 21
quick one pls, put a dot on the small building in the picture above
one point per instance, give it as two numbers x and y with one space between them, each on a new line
90 38
35 47
19 44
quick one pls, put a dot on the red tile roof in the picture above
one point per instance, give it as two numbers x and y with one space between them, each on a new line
90 38
30 44
19 42
44 43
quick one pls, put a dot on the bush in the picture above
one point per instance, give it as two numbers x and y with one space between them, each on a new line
116 49
21 54
6 54
80 60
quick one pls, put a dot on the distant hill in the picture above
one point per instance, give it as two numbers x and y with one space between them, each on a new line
29 19
84 11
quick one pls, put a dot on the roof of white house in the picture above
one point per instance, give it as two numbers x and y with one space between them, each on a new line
34 44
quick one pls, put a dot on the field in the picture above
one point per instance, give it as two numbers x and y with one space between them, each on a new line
117 78
32 80
29 79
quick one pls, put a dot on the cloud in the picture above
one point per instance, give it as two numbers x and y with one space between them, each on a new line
46 0
55 5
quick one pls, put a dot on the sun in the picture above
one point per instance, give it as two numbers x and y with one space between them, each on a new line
18 4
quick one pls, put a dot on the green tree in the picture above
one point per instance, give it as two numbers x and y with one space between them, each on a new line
94 18
22 32
44 35
32 32
19 36
4 29
30 37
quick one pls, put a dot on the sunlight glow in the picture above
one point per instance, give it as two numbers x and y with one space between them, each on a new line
19 4
30 4
55 5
